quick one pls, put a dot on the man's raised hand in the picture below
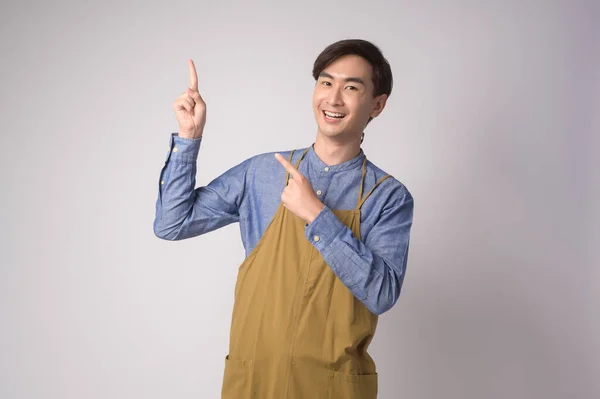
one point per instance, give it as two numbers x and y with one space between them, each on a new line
190 109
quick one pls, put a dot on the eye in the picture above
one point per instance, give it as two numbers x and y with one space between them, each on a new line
326 83
352 87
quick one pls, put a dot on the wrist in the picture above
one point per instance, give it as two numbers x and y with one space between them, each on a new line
189 136
315 212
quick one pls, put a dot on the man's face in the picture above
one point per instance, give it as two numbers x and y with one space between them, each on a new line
345 88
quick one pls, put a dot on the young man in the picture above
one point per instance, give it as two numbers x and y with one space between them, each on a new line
326 234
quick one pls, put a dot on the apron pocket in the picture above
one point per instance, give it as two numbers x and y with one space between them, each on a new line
237 379
352 386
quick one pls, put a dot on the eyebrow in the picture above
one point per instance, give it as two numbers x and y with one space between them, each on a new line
350 79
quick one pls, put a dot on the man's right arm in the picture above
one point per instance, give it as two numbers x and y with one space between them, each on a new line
183 211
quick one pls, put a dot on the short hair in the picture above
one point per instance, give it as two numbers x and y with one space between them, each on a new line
382 72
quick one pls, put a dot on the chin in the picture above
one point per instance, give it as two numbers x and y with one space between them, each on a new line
330 131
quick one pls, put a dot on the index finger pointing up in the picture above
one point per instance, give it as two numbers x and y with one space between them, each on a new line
193 75
288 166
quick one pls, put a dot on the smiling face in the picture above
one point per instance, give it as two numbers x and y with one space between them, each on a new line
343 99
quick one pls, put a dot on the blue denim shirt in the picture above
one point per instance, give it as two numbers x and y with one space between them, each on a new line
373 268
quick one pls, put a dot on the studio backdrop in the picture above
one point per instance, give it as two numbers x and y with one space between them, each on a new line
492 125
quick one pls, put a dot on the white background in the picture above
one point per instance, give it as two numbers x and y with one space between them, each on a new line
492 125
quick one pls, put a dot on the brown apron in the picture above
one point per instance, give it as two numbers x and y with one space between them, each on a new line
297 331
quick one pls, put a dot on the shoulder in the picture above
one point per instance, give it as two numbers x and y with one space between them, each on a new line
392 187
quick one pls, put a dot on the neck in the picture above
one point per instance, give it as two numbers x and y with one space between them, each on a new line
335 152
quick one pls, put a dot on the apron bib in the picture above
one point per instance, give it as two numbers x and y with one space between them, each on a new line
297 332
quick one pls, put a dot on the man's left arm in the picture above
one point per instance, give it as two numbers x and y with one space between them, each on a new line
374 269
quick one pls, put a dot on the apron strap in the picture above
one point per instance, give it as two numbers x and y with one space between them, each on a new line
362 201
287 174
362 180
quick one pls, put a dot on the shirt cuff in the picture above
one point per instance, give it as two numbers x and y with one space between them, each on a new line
324 228
182 149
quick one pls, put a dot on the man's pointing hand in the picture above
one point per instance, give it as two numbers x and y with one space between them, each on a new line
298 196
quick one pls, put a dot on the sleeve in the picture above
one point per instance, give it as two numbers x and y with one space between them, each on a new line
373 270
183 211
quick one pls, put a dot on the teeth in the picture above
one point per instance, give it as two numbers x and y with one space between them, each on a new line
334 114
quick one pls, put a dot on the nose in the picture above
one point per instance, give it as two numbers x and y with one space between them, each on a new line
334 97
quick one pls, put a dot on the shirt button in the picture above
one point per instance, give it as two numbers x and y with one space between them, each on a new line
317 238
162 182
175 149
319 192
326 168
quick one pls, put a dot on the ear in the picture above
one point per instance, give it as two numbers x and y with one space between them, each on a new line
379 105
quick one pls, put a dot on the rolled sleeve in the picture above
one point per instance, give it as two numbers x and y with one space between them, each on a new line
324 228
183 150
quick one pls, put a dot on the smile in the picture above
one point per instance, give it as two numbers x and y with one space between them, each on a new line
333 116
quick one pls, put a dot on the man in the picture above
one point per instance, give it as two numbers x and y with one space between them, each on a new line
326 234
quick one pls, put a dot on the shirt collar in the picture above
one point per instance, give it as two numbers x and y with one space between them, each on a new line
318 165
